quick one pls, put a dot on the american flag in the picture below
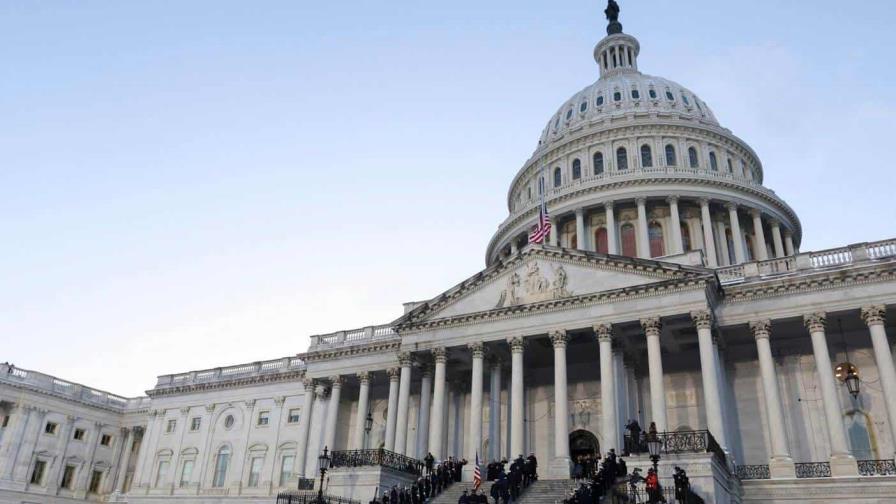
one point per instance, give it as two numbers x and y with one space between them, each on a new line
477 474
543 226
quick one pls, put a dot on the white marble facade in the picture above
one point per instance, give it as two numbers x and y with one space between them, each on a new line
672 290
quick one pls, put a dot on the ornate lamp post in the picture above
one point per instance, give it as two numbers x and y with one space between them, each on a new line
368 425
323 463
846 371
654 445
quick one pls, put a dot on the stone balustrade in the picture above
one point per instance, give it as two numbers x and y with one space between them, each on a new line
33 380
832 258
352 337
224 374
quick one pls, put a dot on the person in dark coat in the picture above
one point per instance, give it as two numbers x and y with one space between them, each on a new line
464 499
428 461
633 441
393 495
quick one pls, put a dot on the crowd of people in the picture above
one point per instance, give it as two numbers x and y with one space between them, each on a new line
613 472
508 483
433 480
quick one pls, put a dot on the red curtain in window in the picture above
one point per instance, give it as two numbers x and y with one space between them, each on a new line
685 237
600 241
655 234
628 241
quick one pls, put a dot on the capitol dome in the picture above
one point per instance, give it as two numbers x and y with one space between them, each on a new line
638 165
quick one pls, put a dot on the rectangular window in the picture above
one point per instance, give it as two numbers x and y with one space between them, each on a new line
96 477
162 472
172 424
5 421
68 477
221 469
195 423
264 417
294 415
106 440
37 475
79 435
51 428
286 469
186 473
255 471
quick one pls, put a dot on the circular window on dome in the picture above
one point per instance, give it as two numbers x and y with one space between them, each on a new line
228 421
583 107
600 100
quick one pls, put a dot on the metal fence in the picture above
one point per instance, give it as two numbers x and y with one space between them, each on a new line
379 457
311 498
885 467
813 469
753 472
701 441
306 484
626 493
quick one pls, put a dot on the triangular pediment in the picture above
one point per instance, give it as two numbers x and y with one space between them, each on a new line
541 273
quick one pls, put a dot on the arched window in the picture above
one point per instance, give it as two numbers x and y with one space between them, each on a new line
629 247
600 100
583 107
655 236
713 162
557 177
576 169
692 157
730 168
646 156
598 163
621 159
748 240
600 241
685 237
670 155
617 96
222 460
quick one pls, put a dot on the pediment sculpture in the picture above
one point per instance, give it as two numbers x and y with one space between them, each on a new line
534 287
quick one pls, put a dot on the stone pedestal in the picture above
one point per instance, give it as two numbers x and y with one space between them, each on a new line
781 468
844 466
558 468
360 483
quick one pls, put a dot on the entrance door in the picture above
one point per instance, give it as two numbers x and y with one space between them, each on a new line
584 443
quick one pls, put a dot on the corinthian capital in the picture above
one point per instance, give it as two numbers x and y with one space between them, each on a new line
874 314
603 332
702 319
364 377
815 322
405 359
394 373
440 354
336 381
517 343
308 382
477 348
559 338
651 326
761 329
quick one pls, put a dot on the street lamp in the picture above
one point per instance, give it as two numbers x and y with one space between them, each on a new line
654 445
323 463
846 371
368 422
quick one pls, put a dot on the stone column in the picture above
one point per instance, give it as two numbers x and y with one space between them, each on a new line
609 413
622 396
147 447
737 237
517 436
561 398
404 400
363 409
513 247
709 244
776 238
761 253
304 426
643 238
333 412
780 463
581 235
478 352
84 478
724 255
16 438
127 440
425 407
652 327
494 410
392 408
712 398
874 318
440 356
612 240
842 462
675 218
555 232
788 243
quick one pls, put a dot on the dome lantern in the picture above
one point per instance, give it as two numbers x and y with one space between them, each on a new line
617 52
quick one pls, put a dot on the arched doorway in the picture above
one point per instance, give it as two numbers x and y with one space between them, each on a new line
582 442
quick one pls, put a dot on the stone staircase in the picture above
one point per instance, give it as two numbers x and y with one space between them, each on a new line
540 492
452 493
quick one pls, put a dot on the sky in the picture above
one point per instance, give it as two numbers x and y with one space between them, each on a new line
193 184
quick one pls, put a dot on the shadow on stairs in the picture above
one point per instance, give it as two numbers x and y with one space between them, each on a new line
539 492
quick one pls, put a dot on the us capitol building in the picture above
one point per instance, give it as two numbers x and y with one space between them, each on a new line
672 289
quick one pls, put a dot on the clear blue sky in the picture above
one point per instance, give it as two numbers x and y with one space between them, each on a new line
195 184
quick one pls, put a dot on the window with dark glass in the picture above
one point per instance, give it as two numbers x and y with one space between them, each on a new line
655 237
37 474
635 94
669 95
646 156
96 477
68 476
568 114
621 159
576 169
713 162
558 179
730 168
598 161
652 92
684 98
600 100
692 157
617 96
670 155
685 236
583 106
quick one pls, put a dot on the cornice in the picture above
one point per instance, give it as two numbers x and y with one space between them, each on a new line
610 296
234 383
379 346
55 395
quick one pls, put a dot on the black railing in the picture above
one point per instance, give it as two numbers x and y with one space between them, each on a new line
885 467
380 457
813 470
306 484
700 441
311 498
753 472
626 493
